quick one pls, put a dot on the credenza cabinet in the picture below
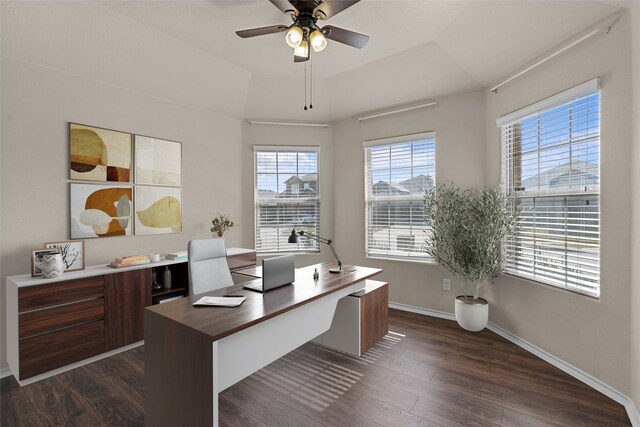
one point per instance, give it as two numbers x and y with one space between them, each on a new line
54 324
125 297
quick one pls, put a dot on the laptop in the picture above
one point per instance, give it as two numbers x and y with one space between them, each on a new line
276 272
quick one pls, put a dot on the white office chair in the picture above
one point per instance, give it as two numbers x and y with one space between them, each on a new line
208 267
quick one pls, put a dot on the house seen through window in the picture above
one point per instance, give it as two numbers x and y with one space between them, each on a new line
287 195
398 172
551 170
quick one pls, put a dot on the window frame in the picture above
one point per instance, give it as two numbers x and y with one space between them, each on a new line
293 249
508 165
396 140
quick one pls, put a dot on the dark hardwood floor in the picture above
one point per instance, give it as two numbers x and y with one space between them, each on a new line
426 372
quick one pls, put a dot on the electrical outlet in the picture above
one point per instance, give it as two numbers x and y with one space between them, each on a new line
446 284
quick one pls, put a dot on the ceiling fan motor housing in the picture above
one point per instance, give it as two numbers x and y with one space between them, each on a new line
306 7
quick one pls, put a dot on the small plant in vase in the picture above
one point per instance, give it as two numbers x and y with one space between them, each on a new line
221 223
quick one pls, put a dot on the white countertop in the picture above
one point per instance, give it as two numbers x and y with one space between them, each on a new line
98 270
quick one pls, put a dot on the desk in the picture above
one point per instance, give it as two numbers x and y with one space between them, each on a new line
358 322
194 353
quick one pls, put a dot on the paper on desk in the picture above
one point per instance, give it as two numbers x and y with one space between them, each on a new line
220 301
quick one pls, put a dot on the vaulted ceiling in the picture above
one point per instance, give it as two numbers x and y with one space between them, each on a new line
187 52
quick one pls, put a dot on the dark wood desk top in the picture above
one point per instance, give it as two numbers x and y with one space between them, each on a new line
219 322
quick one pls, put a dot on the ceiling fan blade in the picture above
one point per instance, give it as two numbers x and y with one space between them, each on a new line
347 37
329 8
284 6
253 32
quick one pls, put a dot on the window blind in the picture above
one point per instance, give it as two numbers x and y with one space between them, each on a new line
287 195
398 171
551 171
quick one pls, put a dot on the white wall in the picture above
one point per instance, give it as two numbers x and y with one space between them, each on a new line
591 334
288 136
635 227
459 127
38 103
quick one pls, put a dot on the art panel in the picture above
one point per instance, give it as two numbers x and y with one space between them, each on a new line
98 154
100 211
158 210
158 161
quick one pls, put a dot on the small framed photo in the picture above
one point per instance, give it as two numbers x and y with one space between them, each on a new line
72 253
36 259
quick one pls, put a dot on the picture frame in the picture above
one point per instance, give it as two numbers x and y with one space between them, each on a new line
98 211
100 154
36 259
158 210
72 253
157 161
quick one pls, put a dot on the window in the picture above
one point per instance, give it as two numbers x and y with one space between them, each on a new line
287 195
551 171
398 171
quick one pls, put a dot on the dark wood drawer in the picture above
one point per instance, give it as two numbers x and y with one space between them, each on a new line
241 260
50 351
48 295
56 318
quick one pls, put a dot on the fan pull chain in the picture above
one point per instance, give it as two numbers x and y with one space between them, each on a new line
305 86
311 86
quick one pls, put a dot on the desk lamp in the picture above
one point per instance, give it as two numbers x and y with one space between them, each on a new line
294 239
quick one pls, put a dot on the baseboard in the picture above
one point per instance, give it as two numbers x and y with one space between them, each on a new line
578 374
5 372
634 415
420 310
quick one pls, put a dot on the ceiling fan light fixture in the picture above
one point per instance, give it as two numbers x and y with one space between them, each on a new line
302 50
294 36
318 40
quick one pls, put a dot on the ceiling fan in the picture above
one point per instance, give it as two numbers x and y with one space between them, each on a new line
305 32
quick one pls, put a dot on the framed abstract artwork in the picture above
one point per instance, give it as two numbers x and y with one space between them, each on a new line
158 161
72 253
36 260
97 154
100 210
158 210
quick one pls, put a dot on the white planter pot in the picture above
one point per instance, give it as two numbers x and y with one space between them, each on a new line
471 314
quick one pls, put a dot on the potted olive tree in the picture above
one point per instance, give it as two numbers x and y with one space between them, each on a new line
464 235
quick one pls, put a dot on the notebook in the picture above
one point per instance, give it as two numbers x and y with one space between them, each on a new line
276 272
220 301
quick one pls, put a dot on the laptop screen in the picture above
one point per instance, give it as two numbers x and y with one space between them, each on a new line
278 271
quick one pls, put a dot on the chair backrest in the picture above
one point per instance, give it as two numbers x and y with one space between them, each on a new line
208 267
